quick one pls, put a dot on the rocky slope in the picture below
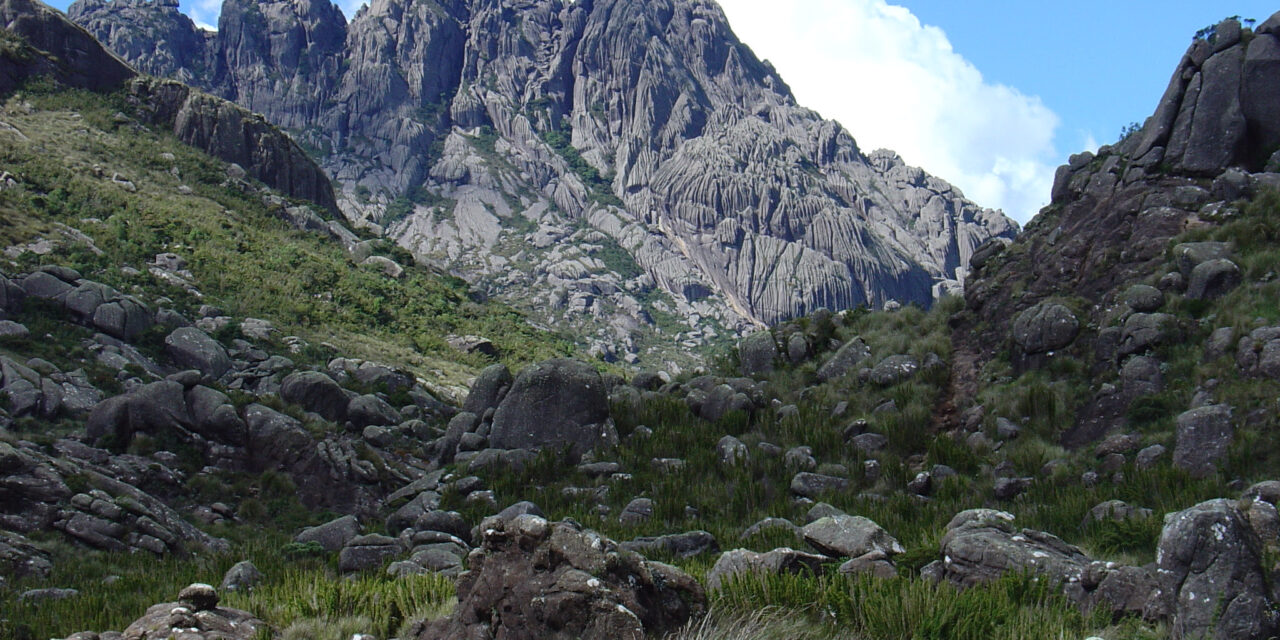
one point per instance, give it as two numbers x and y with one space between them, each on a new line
613 165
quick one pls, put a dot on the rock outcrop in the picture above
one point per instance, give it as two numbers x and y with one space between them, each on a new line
536 579
460 127
59 49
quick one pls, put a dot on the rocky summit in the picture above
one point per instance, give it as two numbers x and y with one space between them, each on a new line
614 166
241 400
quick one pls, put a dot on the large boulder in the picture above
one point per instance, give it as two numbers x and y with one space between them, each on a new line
981 545
191 348
332 535
558 403
849 536
1213 279
198 616
1045 327
1212 580
745 562
756 354
846 359
1204 435
488 390
316 392
533 579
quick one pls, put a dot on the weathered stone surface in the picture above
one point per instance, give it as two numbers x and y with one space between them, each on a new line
894 369
1144 298
558 403
214 623
580 586
1204 435
783 560
1212 582
243 576
980 545
191 348
332 535
366 552
850 537
683 545
756 354
488 390
813 485
316 392
1045 327
845 360
1213 279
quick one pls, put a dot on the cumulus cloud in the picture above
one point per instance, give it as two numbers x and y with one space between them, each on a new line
205 13
898 84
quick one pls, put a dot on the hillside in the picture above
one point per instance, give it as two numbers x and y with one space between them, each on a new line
629 170
228 416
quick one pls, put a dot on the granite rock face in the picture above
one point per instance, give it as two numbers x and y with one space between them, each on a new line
487 123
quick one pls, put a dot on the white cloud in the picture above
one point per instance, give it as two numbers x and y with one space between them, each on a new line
205 13
898 84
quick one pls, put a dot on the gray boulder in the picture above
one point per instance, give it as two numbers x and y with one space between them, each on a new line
1045 327
732 451
739 562
332 535
1142 331
846 359
558 403
756 354
980 545
681 545
894 369
316 392
813 485
850 537
370 410
637 511
191 348
1204 435
488 390
244 576
367 552
1213 279
1190 255
1144 298
1212 581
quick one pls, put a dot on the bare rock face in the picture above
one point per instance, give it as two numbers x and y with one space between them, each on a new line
198 616
537 579
553 404
498 130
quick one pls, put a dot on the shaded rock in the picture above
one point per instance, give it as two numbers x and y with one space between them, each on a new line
488 390
553 404
756 354
1213 279
580 586
740 562
332 535
846 360
1143 331
637 511
768 524
1045 327
813 485
875 563
367 552
1148 456
732 451
893 370
980 545
317 393
683 545
199 597
1144 298
244 576
1010 488
370 410
1204 435
1116 510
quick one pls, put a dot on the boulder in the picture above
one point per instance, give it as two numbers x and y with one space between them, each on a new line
367 552
1045 327
317 393
1190 255
813 485
1144 298
332 535
197 618
1204 435
846 359
637 511
1213 279
771 523
1212 580
1143 331
681 545
488 390
756 354
850 537
894 369
732 451
535 579
980 545
740 562
243 576
558 403
370 410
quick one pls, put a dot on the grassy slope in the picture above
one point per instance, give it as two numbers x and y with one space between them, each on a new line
245 260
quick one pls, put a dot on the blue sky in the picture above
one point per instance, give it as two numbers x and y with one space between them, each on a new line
991 95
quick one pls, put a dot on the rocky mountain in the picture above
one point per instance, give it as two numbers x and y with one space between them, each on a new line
610 165
205 382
